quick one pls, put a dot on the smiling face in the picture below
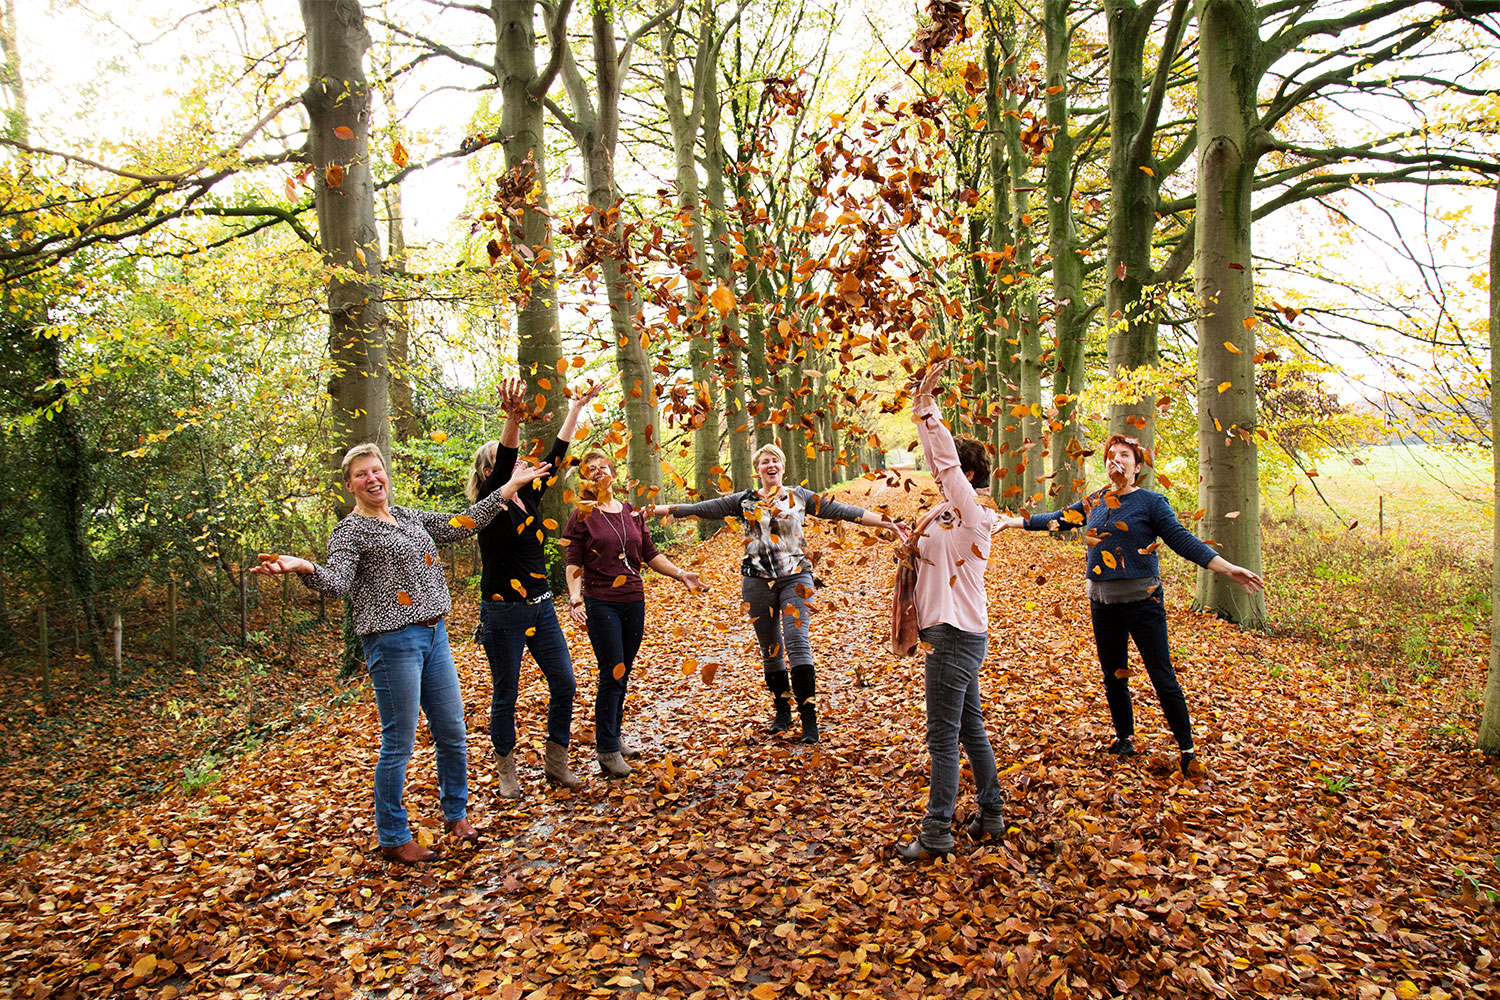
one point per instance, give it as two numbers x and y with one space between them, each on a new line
367 482
597 469
1121 464
770 469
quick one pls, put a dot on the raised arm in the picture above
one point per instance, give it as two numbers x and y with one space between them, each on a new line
575 409
940 451
453 527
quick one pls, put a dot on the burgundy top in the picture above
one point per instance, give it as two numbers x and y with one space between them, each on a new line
596 542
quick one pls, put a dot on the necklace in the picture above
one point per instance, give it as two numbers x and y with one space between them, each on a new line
621 536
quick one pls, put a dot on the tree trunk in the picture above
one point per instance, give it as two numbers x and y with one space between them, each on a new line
1489 721
731 359
403 415
1032 461
538 336
1004 339
338 97
1069 318
1228 464
703 316
596 128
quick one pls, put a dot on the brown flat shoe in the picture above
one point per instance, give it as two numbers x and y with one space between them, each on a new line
409 853
464 831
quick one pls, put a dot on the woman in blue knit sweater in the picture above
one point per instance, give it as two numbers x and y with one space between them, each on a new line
1124 524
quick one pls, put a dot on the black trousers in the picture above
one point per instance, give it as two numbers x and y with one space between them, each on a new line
1145 622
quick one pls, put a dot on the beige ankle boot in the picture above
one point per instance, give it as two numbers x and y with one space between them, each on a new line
612 765
505 771
555 766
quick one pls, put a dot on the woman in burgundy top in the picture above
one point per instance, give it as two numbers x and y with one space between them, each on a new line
607 544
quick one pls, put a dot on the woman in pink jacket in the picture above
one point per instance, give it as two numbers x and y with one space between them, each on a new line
953 548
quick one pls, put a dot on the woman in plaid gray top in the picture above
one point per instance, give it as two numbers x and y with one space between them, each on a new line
776 575
384 560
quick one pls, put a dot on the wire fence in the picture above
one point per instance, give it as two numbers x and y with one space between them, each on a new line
177 622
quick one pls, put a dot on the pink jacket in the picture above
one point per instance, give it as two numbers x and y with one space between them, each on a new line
955 544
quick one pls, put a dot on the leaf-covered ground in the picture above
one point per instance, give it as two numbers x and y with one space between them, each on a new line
1336 848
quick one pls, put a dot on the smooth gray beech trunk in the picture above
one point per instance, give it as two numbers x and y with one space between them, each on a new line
1070 312
686 121
1489 720
595 127
538 336
1228 461
338 98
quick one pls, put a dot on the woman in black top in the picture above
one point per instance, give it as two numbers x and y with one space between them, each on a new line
516 611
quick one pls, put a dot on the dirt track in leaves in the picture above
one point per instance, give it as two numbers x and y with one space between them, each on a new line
1334 849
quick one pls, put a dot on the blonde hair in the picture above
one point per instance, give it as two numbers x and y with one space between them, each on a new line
356 453
767 449
484 458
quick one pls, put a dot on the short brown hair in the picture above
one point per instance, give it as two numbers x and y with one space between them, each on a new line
973 460
1143 458
614 470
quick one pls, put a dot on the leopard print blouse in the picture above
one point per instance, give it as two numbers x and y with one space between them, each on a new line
391 572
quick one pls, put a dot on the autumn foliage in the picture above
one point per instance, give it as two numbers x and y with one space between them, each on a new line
1334 849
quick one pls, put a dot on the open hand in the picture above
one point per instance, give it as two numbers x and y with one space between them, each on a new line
272 564
934 374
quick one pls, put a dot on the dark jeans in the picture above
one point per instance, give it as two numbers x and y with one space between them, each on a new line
954 717
1145 622
778 610
615 631
503 628
412 668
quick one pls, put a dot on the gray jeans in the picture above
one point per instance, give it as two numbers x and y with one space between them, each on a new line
953 717
778 609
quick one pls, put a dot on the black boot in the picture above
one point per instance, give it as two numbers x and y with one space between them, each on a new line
1122 747
987 823
934 840
804 691
781 698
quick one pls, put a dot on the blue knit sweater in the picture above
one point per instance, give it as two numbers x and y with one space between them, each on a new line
1123 539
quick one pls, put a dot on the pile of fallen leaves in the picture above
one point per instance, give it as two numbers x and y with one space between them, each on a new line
1333 848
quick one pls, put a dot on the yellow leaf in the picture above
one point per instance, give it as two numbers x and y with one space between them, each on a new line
1406 989
439 436
1225 386
1108 558
549 524
398 155
1231 348
531 632
462 521
144 966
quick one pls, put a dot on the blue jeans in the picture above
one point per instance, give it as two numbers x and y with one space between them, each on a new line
778 609
1145 622
615 632
503 627
412 669
953 717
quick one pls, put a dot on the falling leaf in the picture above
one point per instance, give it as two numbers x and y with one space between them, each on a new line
1249 322
403 598
334 175
619 581
710 671
463 521
344 132
398 155
1108 558
619 671
1228 346
439 436
723 299
1232 514
1225 386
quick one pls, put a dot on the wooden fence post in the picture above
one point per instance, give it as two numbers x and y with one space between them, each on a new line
117 675
46 655
1382 515
244 607
171 620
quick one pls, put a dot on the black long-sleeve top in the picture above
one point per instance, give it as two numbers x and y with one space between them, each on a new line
515 564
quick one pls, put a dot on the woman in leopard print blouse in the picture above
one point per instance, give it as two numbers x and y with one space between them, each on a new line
384 560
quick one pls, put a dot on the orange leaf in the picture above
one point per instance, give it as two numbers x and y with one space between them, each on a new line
619 581
334 175
544 384
1231 348
619 671
398 155
1225 386
1108 558
710 670
463 521
1249 322
403 598
723 299
344 132
1198 514
549 524
689 667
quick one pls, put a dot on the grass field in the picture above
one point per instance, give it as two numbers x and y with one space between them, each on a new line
1436 496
